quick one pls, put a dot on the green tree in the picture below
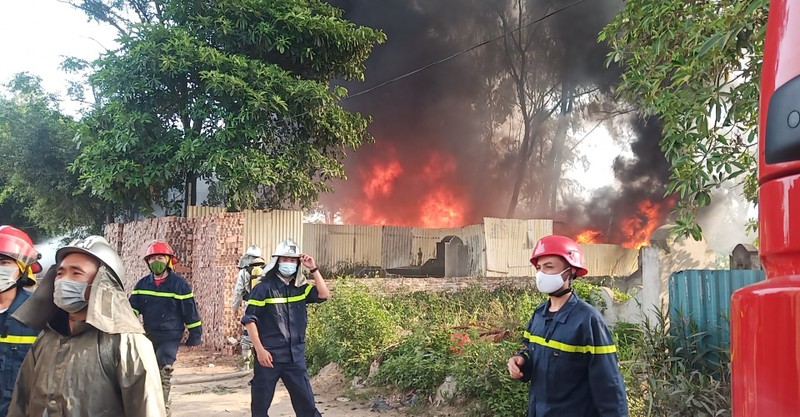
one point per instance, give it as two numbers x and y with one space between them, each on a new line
696 65
37 191
237 92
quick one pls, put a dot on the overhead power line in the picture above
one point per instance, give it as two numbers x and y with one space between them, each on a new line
454 55
462 52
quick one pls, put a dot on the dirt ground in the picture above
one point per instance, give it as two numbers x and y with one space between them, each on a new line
231 397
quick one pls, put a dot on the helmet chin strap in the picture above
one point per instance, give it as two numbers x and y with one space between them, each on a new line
561 292
564 291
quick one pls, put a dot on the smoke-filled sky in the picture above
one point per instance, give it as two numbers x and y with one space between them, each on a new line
440 117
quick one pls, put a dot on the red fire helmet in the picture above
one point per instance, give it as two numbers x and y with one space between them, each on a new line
561 246
158 247
17 245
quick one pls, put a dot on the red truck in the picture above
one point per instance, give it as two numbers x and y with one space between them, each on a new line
765 317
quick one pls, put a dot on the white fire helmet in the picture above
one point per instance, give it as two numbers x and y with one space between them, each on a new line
290 249
287 248
254 251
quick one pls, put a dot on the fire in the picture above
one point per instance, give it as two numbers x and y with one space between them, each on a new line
634 231
441 209
381 179
413 194
637 230
589 236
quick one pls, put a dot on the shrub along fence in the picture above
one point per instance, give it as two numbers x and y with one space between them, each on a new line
418 339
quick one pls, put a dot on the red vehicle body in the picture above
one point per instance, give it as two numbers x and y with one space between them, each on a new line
765 317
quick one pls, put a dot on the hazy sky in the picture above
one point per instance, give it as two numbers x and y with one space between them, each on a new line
37 35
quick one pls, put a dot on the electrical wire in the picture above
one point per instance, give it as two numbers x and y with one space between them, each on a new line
454 55
462 52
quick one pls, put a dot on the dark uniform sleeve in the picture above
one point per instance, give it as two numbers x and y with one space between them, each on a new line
136 299
313 295
605 380
191 318
527 367
254 306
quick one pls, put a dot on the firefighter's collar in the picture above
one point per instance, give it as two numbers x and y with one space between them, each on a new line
563 312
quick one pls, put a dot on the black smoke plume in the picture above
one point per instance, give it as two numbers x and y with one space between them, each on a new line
447 110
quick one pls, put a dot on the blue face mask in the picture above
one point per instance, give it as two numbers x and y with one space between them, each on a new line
70 295
287 269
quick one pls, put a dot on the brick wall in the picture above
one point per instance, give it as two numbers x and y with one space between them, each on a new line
208 249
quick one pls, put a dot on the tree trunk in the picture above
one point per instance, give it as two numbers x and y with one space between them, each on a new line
557 149
189 192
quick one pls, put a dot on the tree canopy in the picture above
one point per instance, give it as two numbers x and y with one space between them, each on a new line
235 92
37 191
696 65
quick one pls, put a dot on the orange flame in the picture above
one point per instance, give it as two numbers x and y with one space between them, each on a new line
589 236
433 204
442 208
637 229
381 180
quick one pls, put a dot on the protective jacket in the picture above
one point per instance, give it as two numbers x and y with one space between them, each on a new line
279 311
571 363
167 308
105 367
15 341
244 285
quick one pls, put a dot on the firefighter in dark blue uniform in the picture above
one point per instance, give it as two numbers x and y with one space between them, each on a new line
569 357
276 320
166 303
18 264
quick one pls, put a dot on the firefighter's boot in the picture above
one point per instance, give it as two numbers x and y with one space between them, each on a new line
166 384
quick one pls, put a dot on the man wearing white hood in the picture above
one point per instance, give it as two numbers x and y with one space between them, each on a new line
92 358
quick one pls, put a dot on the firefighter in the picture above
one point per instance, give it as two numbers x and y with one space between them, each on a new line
165 301
569 357
18 264
251 270
92 358
276 320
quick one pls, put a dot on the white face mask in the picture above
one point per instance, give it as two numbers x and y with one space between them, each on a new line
8 277
287 269
549 283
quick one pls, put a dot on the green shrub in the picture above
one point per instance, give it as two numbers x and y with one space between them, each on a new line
350 329
589 293
666 373
677 375
482 377
419 362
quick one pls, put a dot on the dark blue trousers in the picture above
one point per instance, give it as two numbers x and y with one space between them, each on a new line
295 378
166 351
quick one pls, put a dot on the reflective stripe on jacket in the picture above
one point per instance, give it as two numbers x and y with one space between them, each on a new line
571 363
166 308
15 341
279 311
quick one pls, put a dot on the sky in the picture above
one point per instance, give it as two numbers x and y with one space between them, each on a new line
38 34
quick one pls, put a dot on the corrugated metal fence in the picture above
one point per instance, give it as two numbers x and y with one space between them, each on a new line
704 296
498 247
263 228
